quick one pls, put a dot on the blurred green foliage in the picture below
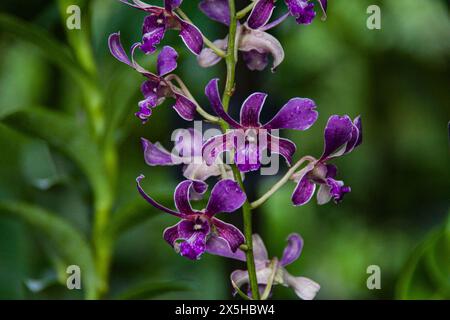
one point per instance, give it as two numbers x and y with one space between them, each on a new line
70 151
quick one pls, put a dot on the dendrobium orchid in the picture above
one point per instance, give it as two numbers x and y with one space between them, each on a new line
157 87
302 10
269 272
161 19
342 135
190 236
248 141
249 138
187 151
255 45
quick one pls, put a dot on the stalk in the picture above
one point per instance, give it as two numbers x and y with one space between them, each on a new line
246 209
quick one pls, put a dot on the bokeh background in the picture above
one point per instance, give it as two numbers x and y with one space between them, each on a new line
70 151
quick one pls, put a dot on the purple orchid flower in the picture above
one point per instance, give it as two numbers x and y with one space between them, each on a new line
256 45
157 87
342 136
191 235
249 137
187 151
161 19
302 10
271 272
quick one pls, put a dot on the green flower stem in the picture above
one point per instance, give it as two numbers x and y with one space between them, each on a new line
281 182
206 41
242 13
246 209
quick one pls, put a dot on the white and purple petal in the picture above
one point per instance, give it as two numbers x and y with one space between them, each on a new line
212 92
153 31
217 145
192 37
208 58
185 107
293 249
304 190
259 249
251 109
170 5
261 13
338 132
192 238
305 288
297 114
337 189
182 195
232 235
284 147
157 155
264 43
226 196
248 156
256 60
217 10
220 247
302 10
153 202
167 61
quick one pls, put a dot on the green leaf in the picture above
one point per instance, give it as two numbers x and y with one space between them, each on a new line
61 56
64 239
426 275
49 47
74 140
79 39
152 289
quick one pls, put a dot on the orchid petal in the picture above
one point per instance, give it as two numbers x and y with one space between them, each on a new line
259 249
226 196
156 155
261 13
194 234
170 5
337 189
212 92
251 109
116 48
153 202
192 37
188 143
217 145
248 156
297 114
323 195
220 247
305 288
167 61
207 57
302 10
283 147
338 133
293 249
185 107
263 43
153 31
217 10
304 191
182 195
255 60
232 235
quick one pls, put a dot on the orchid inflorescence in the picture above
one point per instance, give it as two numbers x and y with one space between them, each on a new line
248 141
